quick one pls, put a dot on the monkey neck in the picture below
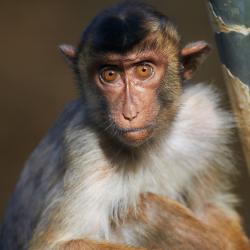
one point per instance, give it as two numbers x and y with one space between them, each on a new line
111 145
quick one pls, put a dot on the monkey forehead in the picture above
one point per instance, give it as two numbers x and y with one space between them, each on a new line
133 57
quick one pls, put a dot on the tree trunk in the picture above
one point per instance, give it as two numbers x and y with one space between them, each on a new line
231 21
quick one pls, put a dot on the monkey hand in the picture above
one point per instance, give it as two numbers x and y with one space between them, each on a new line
174 227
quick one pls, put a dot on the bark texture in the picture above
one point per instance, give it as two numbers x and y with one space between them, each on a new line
231 21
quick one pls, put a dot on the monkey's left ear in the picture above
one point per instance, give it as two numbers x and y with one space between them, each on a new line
69 52
192 55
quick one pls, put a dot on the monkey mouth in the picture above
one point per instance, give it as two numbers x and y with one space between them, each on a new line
135 135
132 130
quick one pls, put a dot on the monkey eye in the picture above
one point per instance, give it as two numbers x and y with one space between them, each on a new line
144 71
109 75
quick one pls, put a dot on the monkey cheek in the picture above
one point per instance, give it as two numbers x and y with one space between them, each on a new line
137 137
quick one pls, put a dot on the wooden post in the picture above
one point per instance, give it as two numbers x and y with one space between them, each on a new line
231 21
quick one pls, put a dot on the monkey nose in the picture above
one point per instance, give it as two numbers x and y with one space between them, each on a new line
130 115
129 110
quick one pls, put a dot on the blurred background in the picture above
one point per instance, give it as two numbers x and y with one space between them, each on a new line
35 82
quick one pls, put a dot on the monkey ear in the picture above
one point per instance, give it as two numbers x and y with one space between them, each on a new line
192 55
69 52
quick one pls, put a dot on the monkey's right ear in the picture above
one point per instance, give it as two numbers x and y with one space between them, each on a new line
69 52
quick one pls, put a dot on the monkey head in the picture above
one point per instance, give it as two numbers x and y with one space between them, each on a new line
130 69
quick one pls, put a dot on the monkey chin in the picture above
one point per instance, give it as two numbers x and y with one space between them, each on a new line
136 138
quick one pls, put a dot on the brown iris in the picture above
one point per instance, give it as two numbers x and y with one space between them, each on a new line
144 71
109 75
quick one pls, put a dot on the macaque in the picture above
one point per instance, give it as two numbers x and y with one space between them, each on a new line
141 160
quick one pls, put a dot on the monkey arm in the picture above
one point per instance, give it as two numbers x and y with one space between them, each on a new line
216 230
86 244
93 245
161 223
47 242
229 227
77 244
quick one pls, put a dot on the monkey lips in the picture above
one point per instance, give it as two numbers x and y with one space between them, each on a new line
136 135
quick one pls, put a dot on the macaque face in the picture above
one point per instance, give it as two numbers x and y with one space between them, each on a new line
129 84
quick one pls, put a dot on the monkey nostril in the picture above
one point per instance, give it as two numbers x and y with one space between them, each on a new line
130 116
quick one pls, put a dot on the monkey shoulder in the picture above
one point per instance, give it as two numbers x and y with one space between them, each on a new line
46 162
47 157
40 181
205 129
